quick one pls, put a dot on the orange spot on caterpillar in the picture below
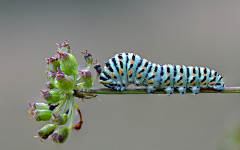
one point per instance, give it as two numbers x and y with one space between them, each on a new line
120 60
167 66
143 67
120 71
192 68
179 83
132 61
214 76
180 67
130 72
204 83
101 81
167 83
146 61
108 82
154 73
193 83
180 74
193 74
108 67
168 74
204 74
139 75
112 74
150 81
211 83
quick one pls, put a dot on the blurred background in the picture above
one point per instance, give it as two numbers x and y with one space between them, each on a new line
189 32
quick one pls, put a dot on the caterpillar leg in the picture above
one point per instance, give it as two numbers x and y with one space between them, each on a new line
182 90
117 87
169 90
121 87
219 86
151 90
195 89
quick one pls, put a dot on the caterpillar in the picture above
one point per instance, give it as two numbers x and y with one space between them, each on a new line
128 68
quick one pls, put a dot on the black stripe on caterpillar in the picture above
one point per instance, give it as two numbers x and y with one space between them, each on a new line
129 68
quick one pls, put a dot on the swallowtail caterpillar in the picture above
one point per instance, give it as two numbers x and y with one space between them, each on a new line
128 68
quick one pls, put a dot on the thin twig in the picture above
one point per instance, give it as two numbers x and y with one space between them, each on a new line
78 93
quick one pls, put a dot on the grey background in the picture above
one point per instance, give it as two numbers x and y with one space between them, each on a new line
188 32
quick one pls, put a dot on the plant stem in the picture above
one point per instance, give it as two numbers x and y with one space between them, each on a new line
78 93
71 111
59 107
71 105
65 107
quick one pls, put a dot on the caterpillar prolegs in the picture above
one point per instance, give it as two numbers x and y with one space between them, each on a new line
129 68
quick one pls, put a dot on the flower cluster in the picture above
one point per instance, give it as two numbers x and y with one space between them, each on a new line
63 78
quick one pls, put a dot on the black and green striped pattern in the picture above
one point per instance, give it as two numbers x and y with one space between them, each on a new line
129 68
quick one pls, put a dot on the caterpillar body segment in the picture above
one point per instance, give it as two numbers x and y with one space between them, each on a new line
129 68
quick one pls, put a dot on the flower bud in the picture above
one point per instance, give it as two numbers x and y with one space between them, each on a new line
61 135
52 63
86 77
64 82
46 131
68 63
40 106
49 85
88 58
42 115
98 68
60 119
64 47
52 96
50 79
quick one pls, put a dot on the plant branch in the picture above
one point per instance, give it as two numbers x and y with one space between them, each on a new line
79 93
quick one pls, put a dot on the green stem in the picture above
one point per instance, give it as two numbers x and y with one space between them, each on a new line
78 93
78 109
71 106
60 106
71 111
65 107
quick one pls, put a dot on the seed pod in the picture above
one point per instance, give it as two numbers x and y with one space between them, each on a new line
61 135
46 130
42 115
98 68
50 79
86 77
52 63
88 58
52 96
49 85
64 82
68 63
64 47
60 119
40 106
